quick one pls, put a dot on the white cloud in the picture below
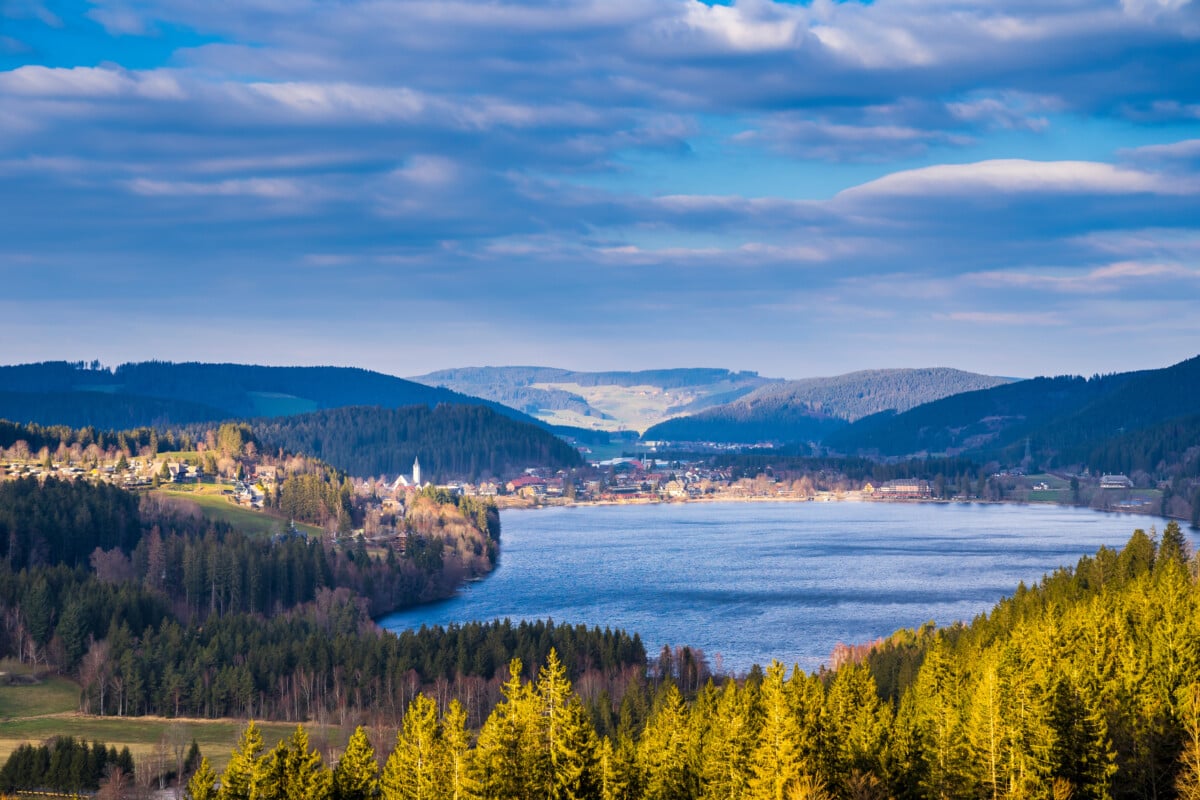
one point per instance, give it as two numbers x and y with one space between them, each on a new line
269 188
89 82
337 101
1019 176
430 171
1018 318
1098 280
747 26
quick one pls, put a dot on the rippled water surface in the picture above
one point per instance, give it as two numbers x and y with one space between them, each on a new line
756 581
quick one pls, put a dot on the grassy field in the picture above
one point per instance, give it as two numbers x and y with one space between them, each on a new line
216 506
1049 496
191 456
274 404
36 712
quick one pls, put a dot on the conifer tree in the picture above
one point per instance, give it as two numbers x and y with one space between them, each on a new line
857 723
575 757
457 743
356 776
1187 778
938 709
414 769
202 784
663 749
619 775
1174 545
1081 755
243 773
307 778
509 763
567 735
776 761
728 744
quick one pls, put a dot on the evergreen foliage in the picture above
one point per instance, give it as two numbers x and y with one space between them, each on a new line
1125 422
813 408
62 522
453 442
160 393
63 764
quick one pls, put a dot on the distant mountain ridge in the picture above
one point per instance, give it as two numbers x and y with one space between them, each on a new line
1060 420
164 393
812 408
630 400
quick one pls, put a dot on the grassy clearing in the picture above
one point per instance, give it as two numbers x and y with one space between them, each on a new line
274 404
179 455
1053 481
216 506
36 712
52 696
1050 496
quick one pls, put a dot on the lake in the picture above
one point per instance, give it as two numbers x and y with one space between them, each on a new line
748 582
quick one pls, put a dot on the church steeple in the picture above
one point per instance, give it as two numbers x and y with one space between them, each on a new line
416 472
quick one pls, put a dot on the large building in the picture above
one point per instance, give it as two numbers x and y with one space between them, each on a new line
1115 482
904 490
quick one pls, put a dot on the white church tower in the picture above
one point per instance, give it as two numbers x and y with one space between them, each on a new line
417 472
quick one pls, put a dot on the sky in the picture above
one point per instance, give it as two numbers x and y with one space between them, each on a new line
799 189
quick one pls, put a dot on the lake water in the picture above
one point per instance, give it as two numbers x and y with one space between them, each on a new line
756 581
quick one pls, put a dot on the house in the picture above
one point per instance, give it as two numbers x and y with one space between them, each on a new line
1117 481
526 486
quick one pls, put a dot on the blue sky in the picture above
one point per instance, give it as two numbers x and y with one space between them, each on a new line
798 189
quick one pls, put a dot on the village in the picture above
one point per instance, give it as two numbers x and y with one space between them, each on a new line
382 501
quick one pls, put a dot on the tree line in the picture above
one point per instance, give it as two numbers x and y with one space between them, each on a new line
1085 686
63 764
453 442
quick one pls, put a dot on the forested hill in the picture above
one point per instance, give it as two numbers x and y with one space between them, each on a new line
809 409
1063 417
112 411
161 393
452 441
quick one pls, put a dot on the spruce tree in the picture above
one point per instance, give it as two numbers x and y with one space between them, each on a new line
414 768
776 760
1174 545
508 762
202 784
727 746
574 756
457 743
663 750
242 775
356 776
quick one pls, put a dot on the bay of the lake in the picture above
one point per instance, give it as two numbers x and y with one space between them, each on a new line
749 582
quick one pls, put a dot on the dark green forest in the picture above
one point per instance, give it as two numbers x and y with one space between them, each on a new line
1066 420
1085 686
161 393
62 765
155 610
452 442
813 408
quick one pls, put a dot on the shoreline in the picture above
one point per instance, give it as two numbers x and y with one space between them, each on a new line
831 497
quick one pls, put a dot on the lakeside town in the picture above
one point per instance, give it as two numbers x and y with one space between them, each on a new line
252 485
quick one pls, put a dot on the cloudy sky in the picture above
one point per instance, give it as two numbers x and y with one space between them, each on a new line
798 189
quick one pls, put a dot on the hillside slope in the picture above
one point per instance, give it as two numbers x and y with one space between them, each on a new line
600 400
452 442
161 393
1061 418
813 408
